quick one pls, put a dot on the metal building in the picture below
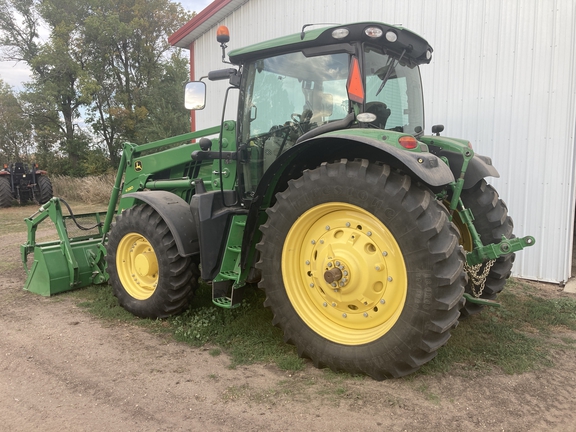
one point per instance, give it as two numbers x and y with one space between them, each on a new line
503 75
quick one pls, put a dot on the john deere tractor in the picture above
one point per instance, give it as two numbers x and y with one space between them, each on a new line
22 183
368 237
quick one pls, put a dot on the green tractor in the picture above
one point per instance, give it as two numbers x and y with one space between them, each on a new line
368 237
22 183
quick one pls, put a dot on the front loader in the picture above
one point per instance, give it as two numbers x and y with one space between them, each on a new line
368 236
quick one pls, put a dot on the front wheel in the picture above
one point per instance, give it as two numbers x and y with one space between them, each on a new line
148 276
362 269
5 192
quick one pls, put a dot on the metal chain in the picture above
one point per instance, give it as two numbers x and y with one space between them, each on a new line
478 280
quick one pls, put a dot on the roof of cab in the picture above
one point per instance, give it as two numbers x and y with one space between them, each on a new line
415 48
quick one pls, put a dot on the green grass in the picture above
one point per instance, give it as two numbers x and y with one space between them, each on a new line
516 338
244 333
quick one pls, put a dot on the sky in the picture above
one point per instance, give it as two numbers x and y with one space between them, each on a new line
15 74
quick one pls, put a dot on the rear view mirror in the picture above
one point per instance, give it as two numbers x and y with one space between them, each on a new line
195 95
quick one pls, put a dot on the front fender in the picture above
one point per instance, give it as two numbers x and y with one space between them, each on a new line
177 215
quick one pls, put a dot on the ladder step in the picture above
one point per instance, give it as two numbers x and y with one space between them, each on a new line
225 302
231 275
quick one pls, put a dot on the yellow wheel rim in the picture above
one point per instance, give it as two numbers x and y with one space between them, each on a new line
137 266
465 236
344 273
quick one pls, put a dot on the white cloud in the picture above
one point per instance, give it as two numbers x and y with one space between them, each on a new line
15 74
195 5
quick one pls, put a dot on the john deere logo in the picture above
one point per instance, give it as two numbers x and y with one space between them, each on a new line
138 166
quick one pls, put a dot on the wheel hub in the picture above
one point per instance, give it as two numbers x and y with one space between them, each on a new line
353 270
146 264
137 266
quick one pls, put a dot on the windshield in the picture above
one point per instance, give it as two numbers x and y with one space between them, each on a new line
284 97
393 93
294 89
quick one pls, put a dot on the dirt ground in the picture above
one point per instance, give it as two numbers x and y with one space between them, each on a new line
61 369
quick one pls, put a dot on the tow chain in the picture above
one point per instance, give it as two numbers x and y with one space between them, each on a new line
478 280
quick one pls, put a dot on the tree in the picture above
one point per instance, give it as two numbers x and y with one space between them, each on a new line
56 64
107 60
128 64
15 127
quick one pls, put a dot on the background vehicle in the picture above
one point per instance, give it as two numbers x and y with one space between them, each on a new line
367 235
21 183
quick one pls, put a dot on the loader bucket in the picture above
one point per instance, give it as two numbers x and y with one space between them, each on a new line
69 262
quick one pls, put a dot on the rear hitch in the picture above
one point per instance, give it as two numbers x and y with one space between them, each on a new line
496 250
481 301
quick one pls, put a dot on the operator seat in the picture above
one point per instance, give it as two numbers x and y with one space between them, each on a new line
381 111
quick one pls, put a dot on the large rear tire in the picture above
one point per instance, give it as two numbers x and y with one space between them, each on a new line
5 192
43 189
148 276
362 269
491 220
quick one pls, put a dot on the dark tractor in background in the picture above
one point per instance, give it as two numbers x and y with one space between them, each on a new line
21 183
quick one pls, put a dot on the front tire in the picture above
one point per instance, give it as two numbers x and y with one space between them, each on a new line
391 252
148 276
5 192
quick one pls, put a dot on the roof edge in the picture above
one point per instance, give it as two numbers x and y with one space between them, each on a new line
181 37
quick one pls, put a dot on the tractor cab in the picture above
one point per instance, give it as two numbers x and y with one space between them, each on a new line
298 88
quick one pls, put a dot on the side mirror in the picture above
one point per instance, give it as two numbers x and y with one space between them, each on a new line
195 95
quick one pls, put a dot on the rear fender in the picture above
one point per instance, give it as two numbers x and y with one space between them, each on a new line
333 146
177 215
455 150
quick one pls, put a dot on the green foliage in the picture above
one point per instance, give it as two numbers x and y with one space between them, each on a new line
15 127
108 61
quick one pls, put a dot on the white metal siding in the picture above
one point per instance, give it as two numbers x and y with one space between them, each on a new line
502 76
